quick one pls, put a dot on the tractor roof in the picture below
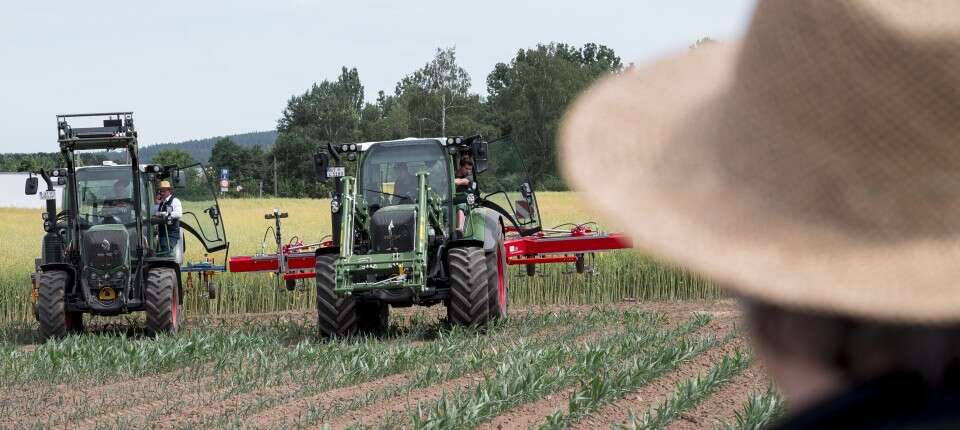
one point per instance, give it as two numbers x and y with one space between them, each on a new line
117 132
363 146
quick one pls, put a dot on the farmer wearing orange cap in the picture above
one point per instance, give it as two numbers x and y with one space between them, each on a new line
168 212
813 169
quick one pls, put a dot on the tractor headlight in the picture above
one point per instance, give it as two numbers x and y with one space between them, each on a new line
334 206
458 141
344 147
353 147
45 216
449 141
47 225
55 173
352 156
471 198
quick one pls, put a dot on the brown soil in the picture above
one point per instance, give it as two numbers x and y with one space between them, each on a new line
657 390
534 414
190 396
722 406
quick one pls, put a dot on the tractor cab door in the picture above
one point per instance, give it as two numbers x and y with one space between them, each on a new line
194 186
509 190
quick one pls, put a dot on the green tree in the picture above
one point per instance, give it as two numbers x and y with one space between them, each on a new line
173 157
528 96
436 100
328 111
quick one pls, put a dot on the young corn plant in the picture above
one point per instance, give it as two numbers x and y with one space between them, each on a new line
762 410
688 394
533 376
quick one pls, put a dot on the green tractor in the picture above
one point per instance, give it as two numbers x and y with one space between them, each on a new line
102 253
410 229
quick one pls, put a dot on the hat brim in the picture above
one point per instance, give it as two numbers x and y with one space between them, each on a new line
638 145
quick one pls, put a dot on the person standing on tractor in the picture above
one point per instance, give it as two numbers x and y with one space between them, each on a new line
168 212
463 182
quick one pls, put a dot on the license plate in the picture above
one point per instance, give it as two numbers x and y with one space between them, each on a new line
48 195
335 172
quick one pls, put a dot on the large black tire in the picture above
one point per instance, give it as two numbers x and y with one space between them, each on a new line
55 321
336 316
162 301
469 294
498 280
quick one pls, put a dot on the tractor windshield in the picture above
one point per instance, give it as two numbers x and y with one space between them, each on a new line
105 196
388 174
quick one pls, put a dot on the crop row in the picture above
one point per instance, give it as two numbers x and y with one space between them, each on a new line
231 361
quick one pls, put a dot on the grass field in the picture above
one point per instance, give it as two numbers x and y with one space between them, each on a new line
649 365
618 275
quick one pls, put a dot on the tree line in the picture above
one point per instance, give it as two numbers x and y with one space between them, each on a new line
525 100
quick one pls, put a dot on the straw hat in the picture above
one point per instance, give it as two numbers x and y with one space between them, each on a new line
164 185
815 164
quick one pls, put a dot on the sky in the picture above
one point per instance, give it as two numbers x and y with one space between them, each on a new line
199 69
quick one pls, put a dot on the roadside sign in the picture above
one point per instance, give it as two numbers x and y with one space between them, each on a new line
224 174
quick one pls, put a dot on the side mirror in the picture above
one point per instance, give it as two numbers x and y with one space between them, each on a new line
179 178
481 158
321 161
31 186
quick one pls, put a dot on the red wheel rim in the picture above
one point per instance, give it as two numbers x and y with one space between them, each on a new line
174 307
501 285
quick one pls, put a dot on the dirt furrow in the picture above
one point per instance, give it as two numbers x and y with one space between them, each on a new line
243 403
293 411
722 406
657 390
534 413
60 403
400 404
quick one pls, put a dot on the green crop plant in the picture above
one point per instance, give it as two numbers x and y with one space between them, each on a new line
689 393
471 359
540 372
761 410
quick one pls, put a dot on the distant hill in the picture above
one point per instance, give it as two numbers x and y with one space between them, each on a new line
199 149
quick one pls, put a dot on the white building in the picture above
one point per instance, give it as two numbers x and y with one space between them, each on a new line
11 192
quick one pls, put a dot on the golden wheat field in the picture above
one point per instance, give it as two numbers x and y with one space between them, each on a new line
616 275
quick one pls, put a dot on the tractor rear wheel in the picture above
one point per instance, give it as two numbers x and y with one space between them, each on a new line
336 316
469 294
498 281
162 301
55 321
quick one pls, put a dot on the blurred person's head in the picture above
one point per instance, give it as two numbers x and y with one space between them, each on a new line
813 169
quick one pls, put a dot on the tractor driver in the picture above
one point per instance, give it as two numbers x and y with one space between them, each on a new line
168 213
120 205
405 185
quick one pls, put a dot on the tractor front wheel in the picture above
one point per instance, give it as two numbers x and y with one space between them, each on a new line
469 294
336 315
55 321
162 301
